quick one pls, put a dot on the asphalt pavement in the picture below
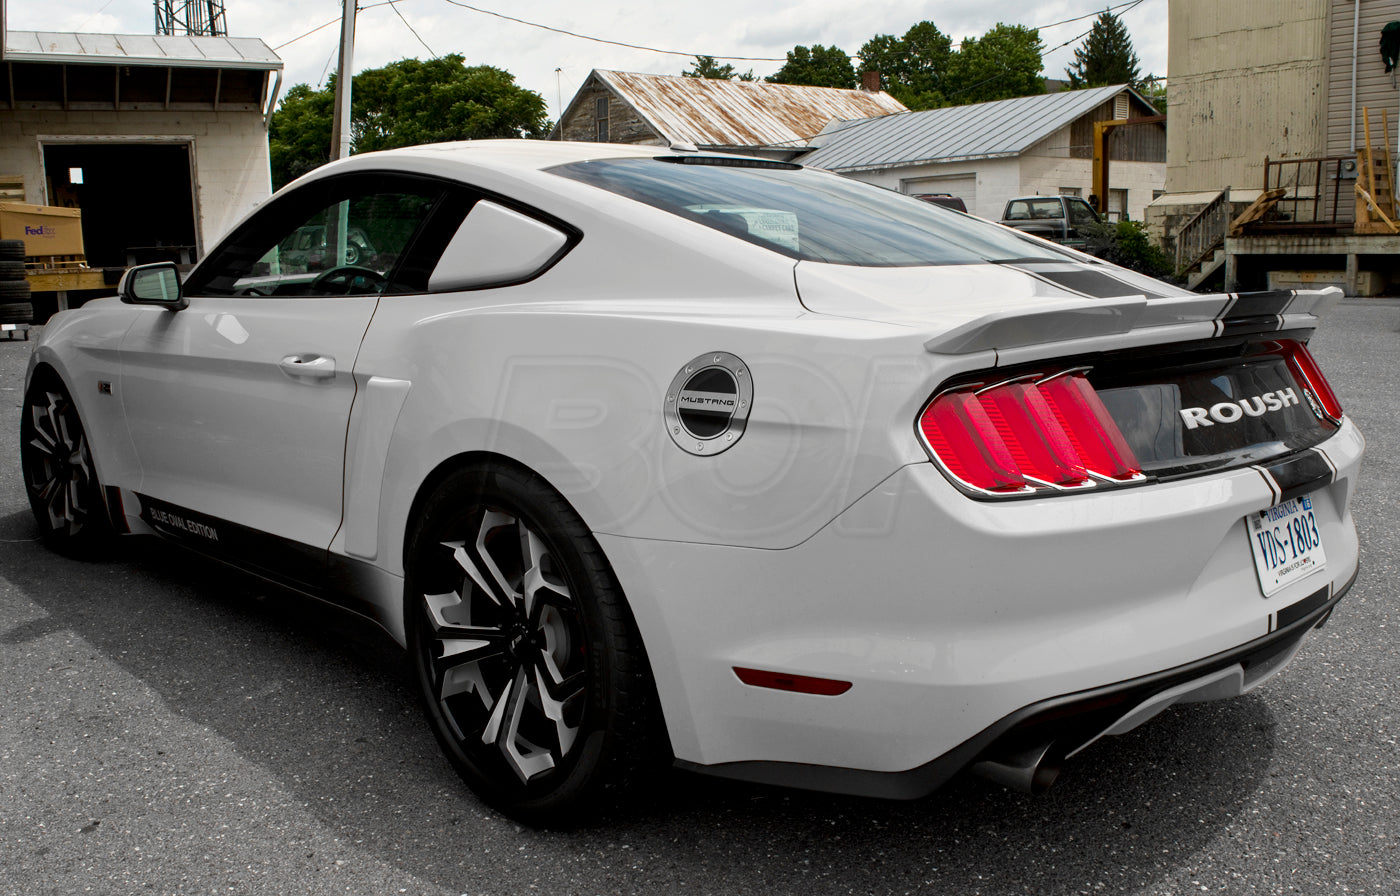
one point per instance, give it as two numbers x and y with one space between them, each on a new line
167 727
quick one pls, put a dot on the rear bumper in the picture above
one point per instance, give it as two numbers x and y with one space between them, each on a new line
949 617
1045 733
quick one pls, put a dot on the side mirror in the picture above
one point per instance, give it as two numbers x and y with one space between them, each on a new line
153 284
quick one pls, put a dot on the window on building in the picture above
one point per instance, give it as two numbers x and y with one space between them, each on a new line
600 114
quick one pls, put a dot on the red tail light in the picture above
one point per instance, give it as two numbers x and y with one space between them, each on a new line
1028 435
1305 369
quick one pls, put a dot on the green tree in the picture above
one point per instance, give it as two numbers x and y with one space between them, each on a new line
299 135
1154 90
816 66
913 68
1106 57
1001 64
709 67
404 103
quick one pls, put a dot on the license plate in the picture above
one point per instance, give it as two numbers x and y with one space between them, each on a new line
1287 544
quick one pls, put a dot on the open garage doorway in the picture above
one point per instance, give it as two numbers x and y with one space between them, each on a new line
136 198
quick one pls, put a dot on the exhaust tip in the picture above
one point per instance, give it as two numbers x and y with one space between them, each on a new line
1030 770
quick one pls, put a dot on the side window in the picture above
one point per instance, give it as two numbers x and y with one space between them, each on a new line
1080 213
327 239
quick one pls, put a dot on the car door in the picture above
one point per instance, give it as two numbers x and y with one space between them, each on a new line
1081 219
238 404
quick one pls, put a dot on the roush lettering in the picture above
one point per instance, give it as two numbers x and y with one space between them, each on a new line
1233 411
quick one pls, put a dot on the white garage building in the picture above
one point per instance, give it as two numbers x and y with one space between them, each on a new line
161 141
987 153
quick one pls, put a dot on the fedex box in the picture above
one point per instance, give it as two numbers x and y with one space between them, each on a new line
45 229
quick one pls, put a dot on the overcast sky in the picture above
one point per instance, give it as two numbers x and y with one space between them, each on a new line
556 64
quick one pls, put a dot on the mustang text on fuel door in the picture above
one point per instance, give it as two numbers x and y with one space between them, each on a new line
1231 411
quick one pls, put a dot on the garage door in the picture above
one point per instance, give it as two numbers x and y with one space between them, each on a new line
963 186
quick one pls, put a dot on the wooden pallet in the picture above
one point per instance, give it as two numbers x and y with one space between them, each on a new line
1375 181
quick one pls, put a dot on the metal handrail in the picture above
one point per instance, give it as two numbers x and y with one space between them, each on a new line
1204 232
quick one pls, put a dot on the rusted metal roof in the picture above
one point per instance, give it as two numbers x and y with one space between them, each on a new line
711 112
999 129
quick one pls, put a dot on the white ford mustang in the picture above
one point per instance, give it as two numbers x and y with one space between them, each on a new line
781 476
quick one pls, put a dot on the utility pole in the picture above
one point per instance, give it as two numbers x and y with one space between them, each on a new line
340 120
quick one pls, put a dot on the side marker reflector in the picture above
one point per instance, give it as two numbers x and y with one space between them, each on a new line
800 684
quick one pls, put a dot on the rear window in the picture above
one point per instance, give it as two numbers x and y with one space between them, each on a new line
806 214
1034 210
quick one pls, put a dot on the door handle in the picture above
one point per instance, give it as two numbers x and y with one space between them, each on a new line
309 366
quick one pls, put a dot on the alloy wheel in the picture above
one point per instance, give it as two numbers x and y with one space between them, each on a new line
507 650
58 467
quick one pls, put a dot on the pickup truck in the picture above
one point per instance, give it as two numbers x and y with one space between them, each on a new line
1058 218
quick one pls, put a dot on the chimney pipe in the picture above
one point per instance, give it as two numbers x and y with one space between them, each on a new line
870 82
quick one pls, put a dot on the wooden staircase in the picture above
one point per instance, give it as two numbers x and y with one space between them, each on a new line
1200 244
1203 269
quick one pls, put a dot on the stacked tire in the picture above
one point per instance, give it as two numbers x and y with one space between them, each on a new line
15 307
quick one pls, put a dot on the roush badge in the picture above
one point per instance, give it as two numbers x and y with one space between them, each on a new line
708 403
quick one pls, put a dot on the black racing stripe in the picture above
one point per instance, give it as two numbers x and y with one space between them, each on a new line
1293 612
1300 474
300 566
1245 326
1094 284
1260 304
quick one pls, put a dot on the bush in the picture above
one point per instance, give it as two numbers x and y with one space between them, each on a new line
1127 243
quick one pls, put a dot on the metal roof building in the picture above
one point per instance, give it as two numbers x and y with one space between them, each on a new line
159 141
996 130
987 153
626 107
93 72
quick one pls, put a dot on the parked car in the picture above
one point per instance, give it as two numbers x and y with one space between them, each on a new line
647 454
306 249
1062 219
947 200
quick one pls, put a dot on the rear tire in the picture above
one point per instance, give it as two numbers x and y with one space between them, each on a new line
16 313
530 667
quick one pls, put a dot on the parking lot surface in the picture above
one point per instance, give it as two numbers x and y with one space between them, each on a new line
168 726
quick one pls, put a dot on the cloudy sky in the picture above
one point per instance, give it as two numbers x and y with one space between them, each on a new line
555 64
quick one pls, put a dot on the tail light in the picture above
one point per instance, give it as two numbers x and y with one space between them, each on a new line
1310 377
1028 435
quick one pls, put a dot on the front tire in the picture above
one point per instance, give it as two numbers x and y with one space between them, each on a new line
528 662
59 475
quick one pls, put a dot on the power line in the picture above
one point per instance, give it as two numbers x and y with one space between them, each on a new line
333 21
394 5
1125 6
615 43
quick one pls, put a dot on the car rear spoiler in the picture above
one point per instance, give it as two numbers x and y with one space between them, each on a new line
1168 318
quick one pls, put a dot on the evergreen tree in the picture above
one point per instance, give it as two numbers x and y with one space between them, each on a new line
816 66
1107 56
